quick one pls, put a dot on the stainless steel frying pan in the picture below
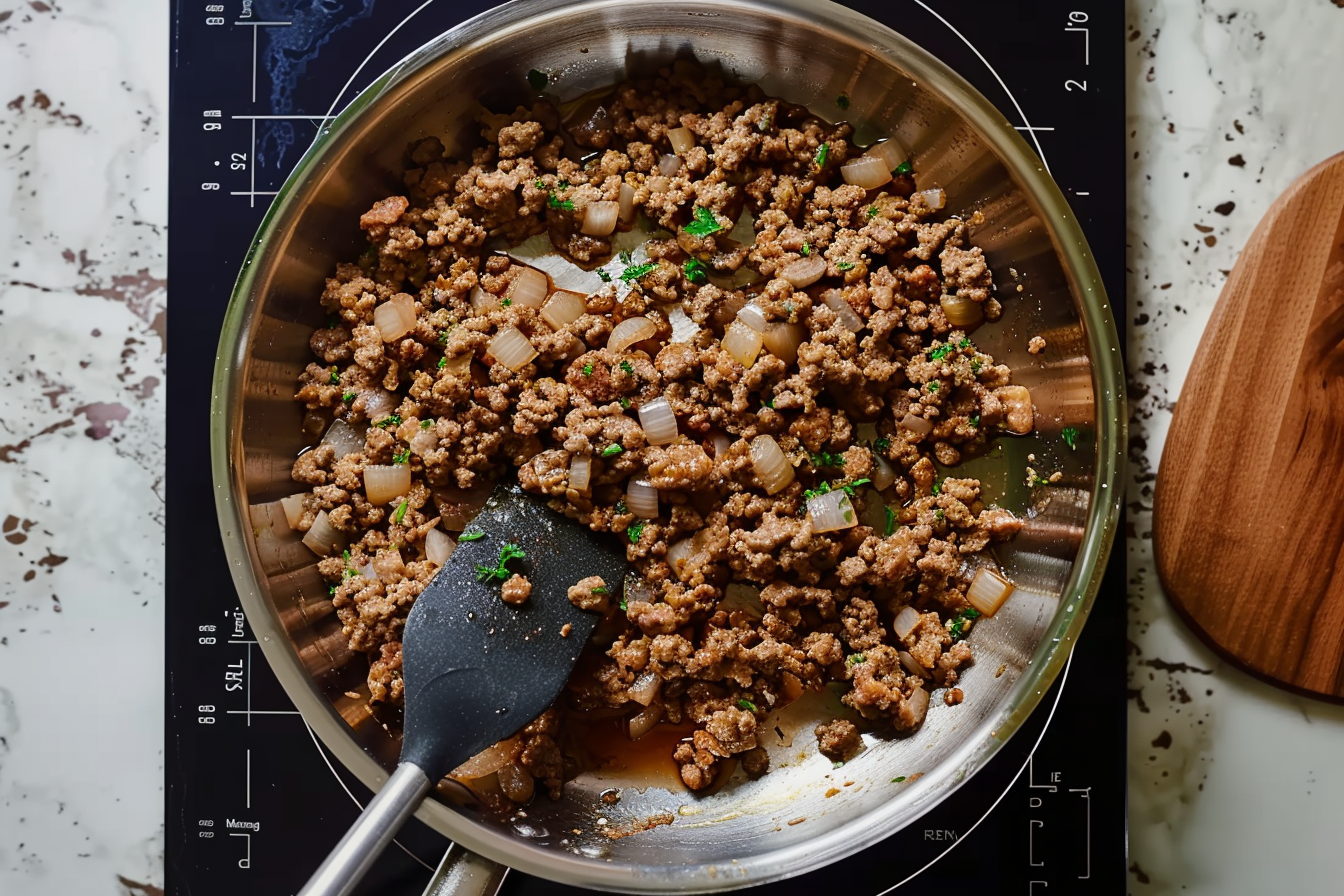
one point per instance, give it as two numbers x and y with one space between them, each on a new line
808 52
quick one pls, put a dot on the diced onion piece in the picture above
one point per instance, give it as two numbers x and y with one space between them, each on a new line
659 183
868 172
293 508
988 591
743 343
681 139
580 472
489 760
423 442
905 622
846 315
563 308
626 204
322 538
916 424
266 516
832 512
934 199
439 546
344 438
529 288
629 331
395 317
387 565
919 706
511 348
1019 416
721 443
642 499
770 465
678 556
368 572
752 315
962 312
744 598
883 474
458 365
803 272
890 152
482 301
645 688
383 482
912 665
599 218
658 421
669 165
782 340
378 403
516 783
642 722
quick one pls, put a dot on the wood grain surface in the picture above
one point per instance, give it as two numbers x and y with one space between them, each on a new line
1248 516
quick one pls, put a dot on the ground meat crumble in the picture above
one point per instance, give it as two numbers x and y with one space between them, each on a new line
740 603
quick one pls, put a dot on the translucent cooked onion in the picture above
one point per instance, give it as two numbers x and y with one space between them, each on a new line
387 565
988 591
642 499
883 474
678 556
912 665
934 199
742 343
658 421
516 783
580 472
629 331
803 272
395 317
529 288
848 318
868 172
743 598
905 622
770 465
916 424
423 442
1020 415
322 538
832 512
482 301
721 443
752 315
645 688
919 706
669 165
383 482
511 348
660 183
642 722
782 340
489 760
293 508
270 515
458 365
599 218
344 438
891 153
681 139
378 403
439 546
563 308
962 312
626 204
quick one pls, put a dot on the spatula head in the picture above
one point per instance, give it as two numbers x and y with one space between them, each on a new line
478 669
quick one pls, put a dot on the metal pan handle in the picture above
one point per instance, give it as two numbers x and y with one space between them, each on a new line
464 873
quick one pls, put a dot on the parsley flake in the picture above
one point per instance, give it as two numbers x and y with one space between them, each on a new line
443 362
335 377
704 222
956 625
604 276
974 421
746 704
625 402
507 302
634 531
626 366
587 370
471 535
348 397
807 249
620 506
850 486
626 257
392 420
881 445
844 265
400 513
601 589
976 364
612 450
821 489
941 352
826 459
891 520
623 605
1070 436
695 270
854 659
842 101
820 158
937 487
631 274
401 457
539 184
872 211
500 570
537 80
933 386
904 168
427 423
566 204
898 779
768 402
763 125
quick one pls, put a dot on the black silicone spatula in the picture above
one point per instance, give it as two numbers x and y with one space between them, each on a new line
478 669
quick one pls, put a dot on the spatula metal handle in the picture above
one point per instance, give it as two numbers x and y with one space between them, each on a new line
370 834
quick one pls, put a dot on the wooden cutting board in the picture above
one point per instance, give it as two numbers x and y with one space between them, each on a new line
1248 516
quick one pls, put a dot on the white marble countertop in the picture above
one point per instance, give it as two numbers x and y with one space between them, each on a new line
1234 786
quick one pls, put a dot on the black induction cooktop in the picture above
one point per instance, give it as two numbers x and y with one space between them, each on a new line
254 802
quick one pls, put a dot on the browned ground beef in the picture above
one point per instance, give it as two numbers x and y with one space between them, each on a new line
817 607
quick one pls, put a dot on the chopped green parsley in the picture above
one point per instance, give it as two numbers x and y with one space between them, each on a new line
639 270
844 265
764 124
507 302
704 222
695 270
768 402
626 366
974 421
942 352
335 377
537 80
976 364
400 513
601 589
821 489
427 423
891 520
826 459
612 450
443 362
872 211
850 486
500 570
933 386
348 397
634 531
554 202
604 276
842 101
587 370
626 257
898 779
401 457
471 535
392 420
956 625
937 487
746 704
1070 436
820 158
807 249
854 659
904 168
625 402
881 445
